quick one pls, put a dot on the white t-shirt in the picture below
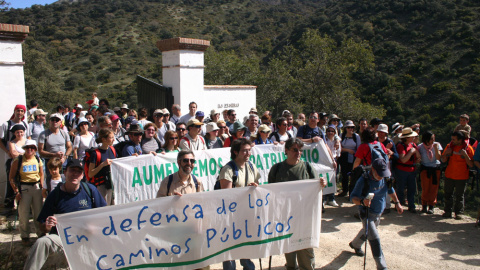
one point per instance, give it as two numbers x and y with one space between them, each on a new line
82 143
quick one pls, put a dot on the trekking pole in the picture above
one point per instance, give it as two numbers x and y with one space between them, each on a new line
369 197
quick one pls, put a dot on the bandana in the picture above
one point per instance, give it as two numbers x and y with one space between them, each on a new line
19 106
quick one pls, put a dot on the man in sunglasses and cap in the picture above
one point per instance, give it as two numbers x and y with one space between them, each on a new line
135 133
74 195
193 140
371 208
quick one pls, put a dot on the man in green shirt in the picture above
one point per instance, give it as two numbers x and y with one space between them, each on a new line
293 169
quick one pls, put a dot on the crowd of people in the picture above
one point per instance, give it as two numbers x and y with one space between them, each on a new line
49 159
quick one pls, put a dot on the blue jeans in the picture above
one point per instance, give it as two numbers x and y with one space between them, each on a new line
406 179
246 263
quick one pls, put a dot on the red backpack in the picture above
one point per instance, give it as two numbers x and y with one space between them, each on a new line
87 160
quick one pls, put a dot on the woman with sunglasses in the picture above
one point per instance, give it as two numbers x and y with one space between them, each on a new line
223 131
82 140
150 143
99 169
262 135
350 141
171 142
26 179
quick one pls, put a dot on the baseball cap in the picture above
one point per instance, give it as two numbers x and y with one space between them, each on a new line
381 167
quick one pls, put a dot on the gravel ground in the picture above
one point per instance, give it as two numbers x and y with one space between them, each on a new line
409 241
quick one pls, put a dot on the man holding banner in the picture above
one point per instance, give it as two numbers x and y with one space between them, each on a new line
181 182
69 197
239 173
293 169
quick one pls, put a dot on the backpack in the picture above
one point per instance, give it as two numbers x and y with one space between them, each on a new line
170 180
82 185
377 152
234 167
64 134
344 134
17 175
119 147
86 163
188 141
7 138
277 136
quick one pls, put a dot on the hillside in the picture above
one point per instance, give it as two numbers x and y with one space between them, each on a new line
425 54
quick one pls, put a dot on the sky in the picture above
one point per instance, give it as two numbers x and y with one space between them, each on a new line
27 3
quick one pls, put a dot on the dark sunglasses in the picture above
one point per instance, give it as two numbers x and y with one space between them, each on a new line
197 126
55 119
223 127
181 129
30 147
187 160
173 138
158 115
265 132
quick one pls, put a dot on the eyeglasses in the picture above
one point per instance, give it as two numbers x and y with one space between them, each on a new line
313 117
265 132
55 119
181 129
173 138
197 126
296 150
158 115
187 160
331 131
350 127
233 114
30 147
222 127
137 134
151 129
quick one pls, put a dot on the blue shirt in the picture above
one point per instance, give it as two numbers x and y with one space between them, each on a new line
131 149
69 202
476 156
378 188
306 132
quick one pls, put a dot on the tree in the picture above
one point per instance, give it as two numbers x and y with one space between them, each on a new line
316 74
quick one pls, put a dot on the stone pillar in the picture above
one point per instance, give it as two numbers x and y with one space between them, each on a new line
12 81
183 68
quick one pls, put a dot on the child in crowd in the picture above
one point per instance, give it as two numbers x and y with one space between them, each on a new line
94 101
54 166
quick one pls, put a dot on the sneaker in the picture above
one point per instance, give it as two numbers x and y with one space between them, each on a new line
447 215
358 251
430 210
332 203
424 209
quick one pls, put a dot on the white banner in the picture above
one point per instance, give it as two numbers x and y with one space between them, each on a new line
195 230
139 178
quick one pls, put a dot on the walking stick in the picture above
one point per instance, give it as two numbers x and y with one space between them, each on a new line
369 197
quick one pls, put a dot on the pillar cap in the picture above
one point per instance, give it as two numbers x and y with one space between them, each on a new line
180 43
13 32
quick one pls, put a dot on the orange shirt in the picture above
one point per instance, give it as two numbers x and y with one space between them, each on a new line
457 168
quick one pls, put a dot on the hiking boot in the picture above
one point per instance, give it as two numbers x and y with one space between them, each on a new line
342 194
458 216
358 251
430 210
447 215
424 209
332 203
412 210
